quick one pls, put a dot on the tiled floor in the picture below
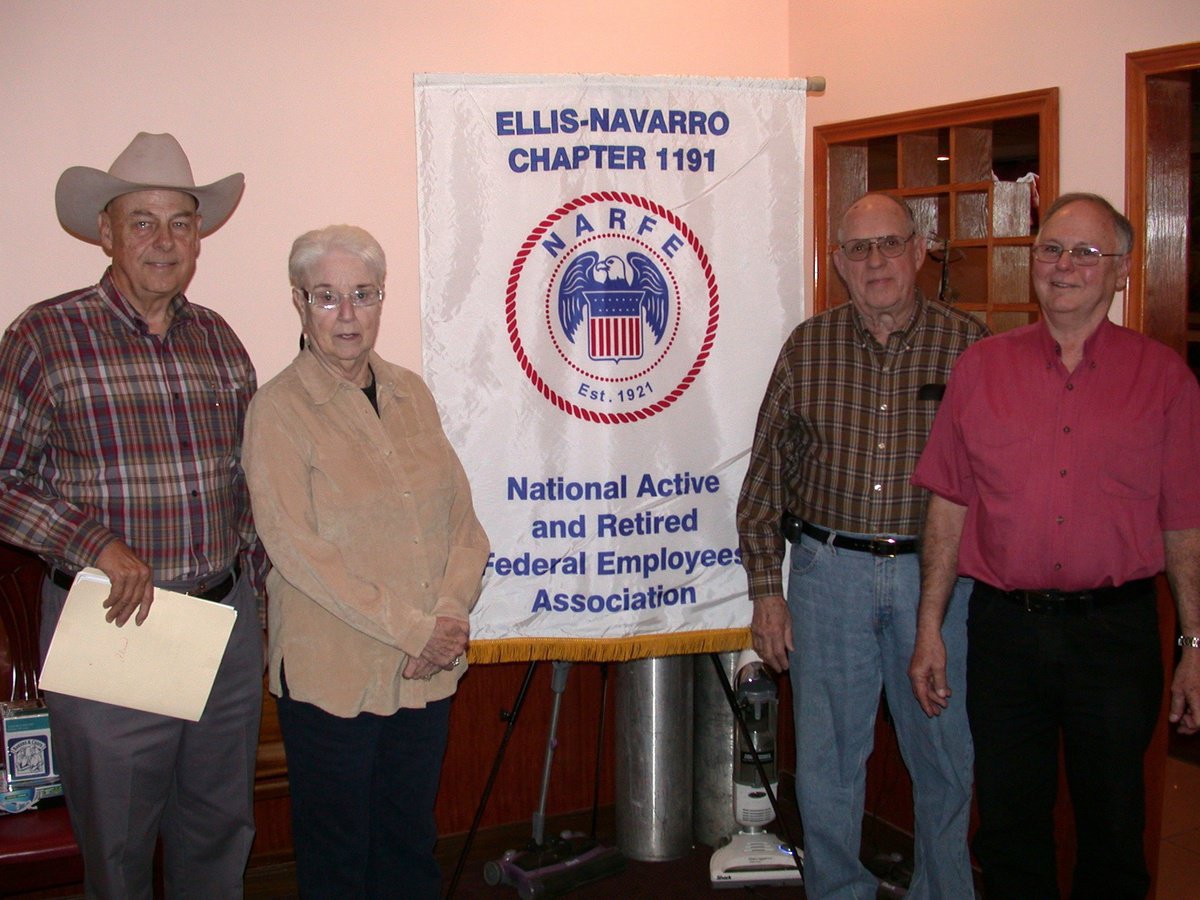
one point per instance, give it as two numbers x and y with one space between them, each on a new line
1179 854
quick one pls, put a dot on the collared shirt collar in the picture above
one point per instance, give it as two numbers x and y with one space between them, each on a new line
322 385
127 314
913 323
1092 347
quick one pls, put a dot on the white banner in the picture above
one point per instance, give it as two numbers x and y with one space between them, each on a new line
608 268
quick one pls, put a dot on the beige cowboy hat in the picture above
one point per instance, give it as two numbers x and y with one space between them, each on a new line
151 162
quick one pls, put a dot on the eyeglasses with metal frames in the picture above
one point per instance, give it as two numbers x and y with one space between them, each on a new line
890 245
1081 256
327 299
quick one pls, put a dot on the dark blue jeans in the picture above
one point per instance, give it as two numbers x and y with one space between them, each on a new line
363 792
1093 681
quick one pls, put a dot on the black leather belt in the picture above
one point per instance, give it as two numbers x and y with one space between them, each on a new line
205 589
879 546
1072 603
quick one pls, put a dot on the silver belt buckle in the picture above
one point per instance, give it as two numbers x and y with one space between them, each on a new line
890 541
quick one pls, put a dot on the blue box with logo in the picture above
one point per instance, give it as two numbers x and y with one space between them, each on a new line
29 774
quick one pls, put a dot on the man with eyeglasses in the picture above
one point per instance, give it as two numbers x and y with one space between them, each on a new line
1062 466
843 421
121 409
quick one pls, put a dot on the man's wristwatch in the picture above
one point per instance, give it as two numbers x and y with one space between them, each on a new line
1189 640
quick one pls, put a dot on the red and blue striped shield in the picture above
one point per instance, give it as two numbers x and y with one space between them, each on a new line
615 324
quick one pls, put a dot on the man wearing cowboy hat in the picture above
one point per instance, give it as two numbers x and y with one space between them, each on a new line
121 409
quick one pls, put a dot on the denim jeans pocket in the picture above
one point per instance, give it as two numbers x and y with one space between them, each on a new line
804 556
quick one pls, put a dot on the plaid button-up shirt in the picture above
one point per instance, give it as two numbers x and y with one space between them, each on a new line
841 427
108 431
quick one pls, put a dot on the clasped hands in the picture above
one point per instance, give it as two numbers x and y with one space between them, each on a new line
443 651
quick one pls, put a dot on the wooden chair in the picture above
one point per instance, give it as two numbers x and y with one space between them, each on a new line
37 848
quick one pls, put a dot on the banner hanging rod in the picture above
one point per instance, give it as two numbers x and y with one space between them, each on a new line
814 84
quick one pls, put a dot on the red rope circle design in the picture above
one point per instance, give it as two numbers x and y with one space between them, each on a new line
510 309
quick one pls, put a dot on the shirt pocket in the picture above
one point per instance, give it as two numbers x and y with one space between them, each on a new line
1129 456
348 488
217 408
1000 463
430 474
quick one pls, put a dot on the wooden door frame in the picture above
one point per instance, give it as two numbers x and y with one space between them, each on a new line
1156 305
1149 307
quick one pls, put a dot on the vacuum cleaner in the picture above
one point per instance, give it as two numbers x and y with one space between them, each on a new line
546 868
753 855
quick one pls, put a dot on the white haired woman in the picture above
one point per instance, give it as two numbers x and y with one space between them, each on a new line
366 514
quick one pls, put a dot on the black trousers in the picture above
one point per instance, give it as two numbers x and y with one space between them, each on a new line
363 792
1092 681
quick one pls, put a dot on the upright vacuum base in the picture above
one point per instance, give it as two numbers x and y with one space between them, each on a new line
550 869
754 859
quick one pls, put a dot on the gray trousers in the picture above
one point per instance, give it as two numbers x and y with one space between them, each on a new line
129 776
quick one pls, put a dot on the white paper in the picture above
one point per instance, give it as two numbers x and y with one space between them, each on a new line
166 665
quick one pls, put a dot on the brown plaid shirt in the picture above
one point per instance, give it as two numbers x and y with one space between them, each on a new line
840 430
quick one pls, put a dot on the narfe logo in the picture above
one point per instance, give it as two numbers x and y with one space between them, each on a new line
611 307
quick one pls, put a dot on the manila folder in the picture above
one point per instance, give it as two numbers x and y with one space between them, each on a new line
166 665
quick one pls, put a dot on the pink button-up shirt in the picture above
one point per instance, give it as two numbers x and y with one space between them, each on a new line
1069 478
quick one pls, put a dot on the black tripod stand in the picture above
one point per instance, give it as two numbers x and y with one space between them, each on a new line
545 868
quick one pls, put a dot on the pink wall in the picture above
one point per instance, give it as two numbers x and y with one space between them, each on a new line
313 101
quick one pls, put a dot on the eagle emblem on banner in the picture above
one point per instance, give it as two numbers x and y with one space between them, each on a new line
611 307
619 297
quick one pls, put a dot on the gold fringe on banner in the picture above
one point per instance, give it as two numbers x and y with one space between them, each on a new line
608 650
